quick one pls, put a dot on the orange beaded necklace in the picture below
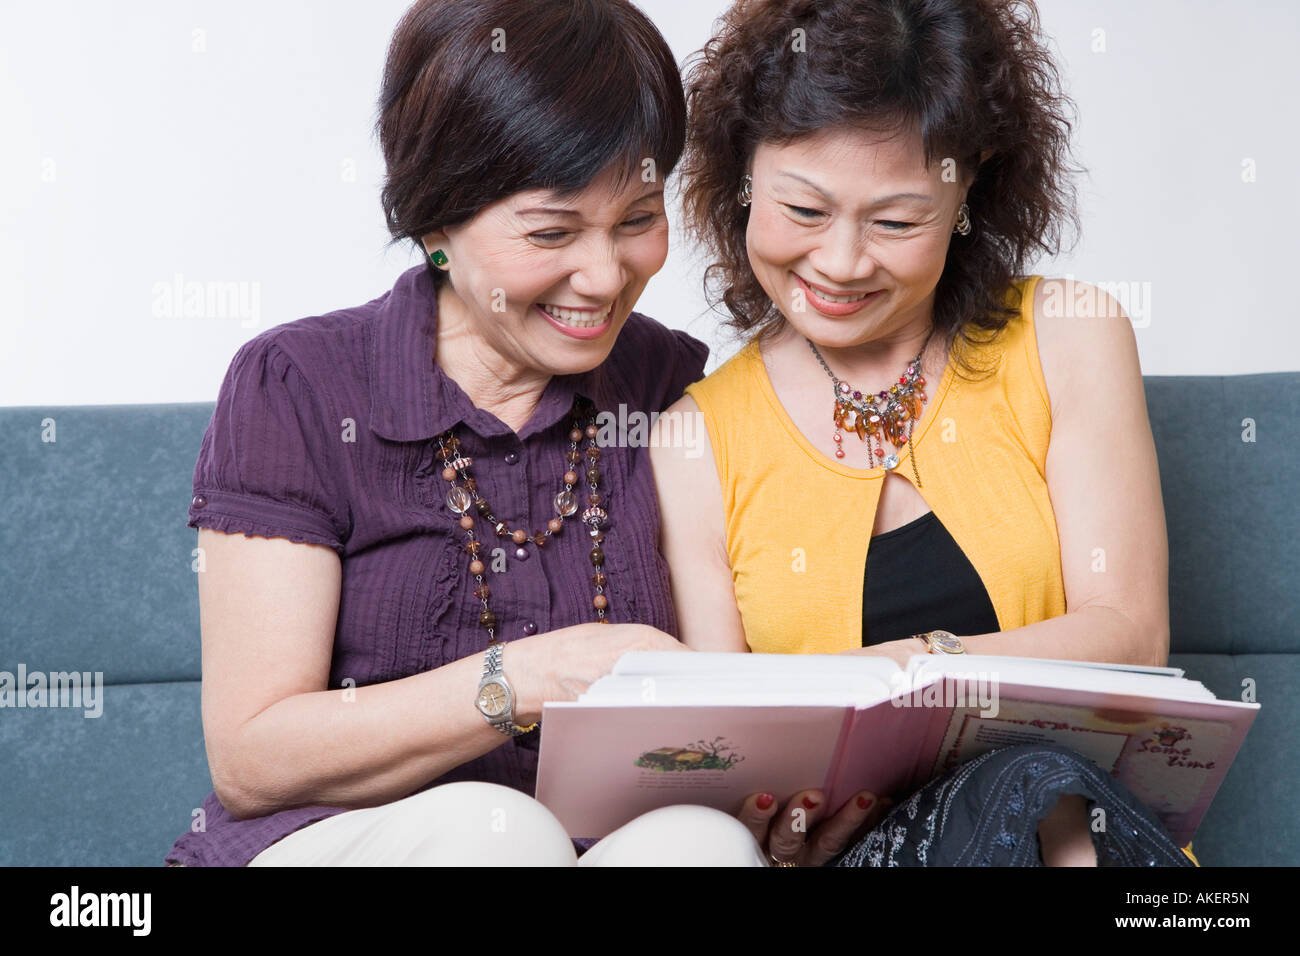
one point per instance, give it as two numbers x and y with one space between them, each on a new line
889 414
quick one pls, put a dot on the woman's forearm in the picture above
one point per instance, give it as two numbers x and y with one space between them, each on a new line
365 746
1086 634
355 747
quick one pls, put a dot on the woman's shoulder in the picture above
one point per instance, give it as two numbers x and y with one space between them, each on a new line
1081 333
332 354
326 341
652 364
640 332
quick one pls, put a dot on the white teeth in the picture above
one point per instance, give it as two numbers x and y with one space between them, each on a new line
840 298
579 320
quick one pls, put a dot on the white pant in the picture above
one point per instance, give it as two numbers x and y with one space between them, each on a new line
485 824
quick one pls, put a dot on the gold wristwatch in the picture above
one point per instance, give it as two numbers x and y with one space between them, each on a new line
942 642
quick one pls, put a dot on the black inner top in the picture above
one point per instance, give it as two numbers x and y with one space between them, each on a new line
918 579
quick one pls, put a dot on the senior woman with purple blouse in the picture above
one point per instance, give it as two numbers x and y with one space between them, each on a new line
410 535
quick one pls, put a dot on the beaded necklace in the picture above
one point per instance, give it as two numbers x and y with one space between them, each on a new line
889 414
463 495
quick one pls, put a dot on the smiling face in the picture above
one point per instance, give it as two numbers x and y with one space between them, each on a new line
546 283
848 232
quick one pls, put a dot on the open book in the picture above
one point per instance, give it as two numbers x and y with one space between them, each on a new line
701 728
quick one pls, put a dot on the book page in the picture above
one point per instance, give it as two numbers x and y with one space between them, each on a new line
986 660
1031 672
738 665
633 690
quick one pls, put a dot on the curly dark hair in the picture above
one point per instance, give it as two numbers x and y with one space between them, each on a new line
972 75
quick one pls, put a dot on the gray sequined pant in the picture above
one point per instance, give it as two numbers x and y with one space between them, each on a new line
986 813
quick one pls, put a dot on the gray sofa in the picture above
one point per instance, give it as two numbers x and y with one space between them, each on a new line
95 575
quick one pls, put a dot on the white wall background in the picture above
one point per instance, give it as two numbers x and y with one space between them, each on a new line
231 142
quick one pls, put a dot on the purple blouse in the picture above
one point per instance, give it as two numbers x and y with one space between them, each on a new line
323 433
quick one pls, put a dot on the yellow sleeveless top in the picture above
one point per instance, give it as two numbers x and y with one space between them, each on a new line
798 524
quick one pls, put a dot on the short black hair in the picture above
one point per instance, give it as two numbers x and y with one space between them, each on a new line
482 99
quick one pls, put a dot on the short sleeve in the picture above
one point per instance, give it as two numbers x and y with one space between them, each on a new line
652 364
690 357
264 467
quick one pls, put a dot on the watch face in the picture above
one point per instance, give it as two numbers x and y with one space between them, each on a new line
493 699
947 641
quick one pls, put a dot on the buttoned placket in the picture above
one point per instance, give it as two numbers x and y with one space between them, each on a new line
525 563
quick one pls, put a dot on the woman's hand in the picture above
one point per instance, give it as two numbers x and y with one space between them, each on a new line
561 664
797 832
899 651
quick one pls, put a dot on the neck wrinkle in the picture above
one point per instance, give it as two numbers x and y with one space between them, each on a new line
510 392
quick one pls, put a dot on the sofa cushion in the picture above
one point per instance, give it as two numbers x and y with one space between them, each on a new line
112 790
95 557
1230 507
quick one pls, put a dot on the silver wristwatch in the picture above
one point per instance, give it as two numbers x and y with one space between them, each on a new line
496 698
942 642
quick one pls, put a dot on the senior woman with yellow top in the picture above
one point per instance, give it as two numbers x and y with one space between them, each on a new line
919 447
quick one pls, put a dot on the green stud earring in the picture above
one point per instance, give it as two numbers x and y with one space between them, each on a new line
439 258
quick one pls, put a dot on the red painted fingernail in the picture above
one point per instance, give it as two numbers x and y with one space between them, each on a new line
864 803
764 801
809 802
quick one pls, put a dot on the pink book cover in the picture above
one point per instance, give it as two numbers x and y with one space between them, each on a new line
879 751
603 766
